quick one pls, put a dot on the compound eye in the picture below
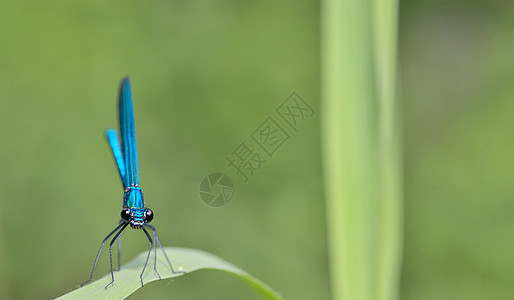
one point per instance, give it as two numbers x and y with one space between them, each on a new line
149 215
125 214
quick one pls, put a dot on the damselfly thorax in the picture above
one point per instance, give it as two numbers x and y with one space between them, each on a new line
134 210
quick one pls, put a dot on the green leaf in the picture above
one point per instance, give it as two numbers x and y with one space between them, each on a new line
126 281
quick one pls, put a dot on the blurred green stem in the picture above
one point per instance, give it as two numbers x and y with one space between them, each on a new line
390 210
361 145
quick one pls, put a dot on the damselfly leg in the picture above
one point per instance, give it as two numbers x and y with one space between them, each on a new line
119 254
100 251
110 251
156 238
148 256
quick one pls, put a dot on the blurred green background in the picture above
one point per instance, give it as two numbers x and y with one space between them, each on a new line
205 74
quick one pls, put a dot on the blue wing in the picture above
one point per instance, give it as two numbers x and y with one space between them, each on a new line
112 137
128 134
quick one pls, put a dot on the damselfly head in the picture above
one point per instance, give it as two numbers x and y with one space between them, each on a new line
137 217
